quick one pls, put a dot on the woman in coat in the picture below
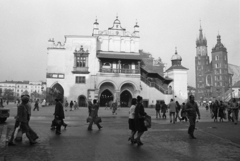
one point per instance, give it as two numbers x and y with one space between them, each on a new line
139 120
215 110
131 122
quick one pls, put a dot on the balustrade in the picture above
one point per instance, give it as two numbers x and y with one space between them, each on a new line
125 71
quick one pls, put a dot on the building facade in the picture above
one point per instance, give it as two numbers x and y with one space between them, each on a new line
107 66
18 87
212 77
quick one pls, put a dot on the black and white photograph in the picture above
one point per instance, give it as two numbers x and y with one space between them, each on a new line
119 80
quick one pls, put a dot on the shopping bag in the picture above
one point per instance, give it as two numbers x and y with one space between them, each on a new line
148 121
89 119
18 134
97 120
57 122
212 115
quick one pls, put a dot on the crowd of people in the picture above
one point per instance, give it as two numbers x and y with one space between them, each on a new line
221 110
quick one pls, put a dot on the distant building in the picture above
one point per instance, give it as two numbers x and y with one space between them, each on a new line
212 77
191 90
18 87
109 66
236 90
235 71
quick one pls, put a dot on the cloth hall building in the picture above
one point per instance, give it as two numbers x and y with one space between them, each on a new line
109 66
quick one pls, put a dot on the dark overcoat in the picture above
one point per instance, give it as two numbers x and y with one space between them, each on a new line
139 120
59 110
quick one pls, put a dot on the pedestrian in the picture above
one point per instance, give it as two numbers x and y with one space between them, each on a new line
221 111
172 110
94 115
178 108
75 105
7 102
89 107
36 106
23 117
192 112
235 110
114 108
157 108
106 106
183 112
66 105
139 120
59 115
229 112
215 111
71 105
131 122
164 109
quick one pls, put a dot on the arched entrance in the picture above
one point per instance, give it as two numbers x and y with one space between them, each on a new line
82 101
106 97
125 98
56 91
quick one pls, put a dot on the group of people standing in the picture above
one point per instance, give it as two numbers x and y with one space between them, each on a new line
218 109
73 105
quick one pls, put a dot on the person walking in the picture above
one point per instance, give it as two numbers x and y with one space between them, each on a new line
172 110
157 108
89 107
23 117
36 105
75 105
215 111
114 108
59 115
131 122
229 112
235 110
221 111
94 115
139 114
192 110
178 108
164 110
184 113
66 105
71 105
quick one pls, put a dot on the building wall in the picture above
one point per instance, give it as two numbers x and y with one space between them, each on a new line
179 84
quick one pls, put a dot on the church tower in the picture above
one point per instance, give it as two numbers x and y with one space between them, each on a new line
221 78
201 66
95 28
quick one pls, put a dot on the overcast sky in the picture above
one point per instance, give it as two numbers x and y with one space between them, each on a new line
26 26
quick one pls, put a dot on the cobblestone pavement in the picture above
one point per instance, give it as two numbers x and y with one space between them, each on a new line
164 141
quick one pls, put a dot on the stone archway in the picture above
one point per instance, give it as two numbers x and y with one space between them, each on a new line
107 93
125 98
105 97
82 101
56 91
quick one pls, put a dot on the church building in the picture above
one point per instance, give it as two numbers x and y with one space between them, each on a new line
212 77
109 66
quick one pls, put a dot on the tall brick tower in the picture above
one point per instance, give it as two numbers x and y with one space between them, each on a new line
221 78
201 66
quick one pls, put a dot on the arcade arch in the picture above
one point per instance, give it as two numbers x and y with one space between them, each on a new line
107 92
82 101
56 91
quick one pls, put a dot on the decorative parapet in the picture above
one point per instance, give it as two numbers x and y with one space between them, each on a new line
53 45
124 33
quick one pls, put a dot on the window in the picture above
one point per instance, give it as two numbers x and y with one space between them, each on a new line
225 57
217 57
199 63
216 65
80 61
80 79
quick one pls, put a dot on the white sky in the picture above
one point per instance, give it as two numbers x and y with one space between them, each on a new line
26 26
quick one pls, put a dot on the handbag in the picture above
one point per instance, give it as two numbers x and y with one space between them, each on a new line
212 115
97 120
148 121
57 122
89 119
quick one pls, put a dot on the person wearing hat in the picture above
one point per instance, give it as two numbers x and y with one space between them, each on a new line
59 115
193 111
22 120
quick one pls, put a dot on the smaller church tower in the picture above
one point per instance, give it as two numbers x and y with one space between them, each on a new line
179 75
221 78
95 28
136 30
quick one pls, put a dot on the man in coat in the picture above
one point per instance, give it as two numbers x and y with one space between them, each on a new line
59 114
192 111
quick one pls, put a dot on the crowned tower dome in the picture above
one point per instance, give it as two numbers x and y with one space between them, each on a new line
176 56
201 41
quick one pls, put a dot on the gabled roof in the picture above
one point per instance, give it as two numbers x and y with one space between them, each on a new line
176 67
